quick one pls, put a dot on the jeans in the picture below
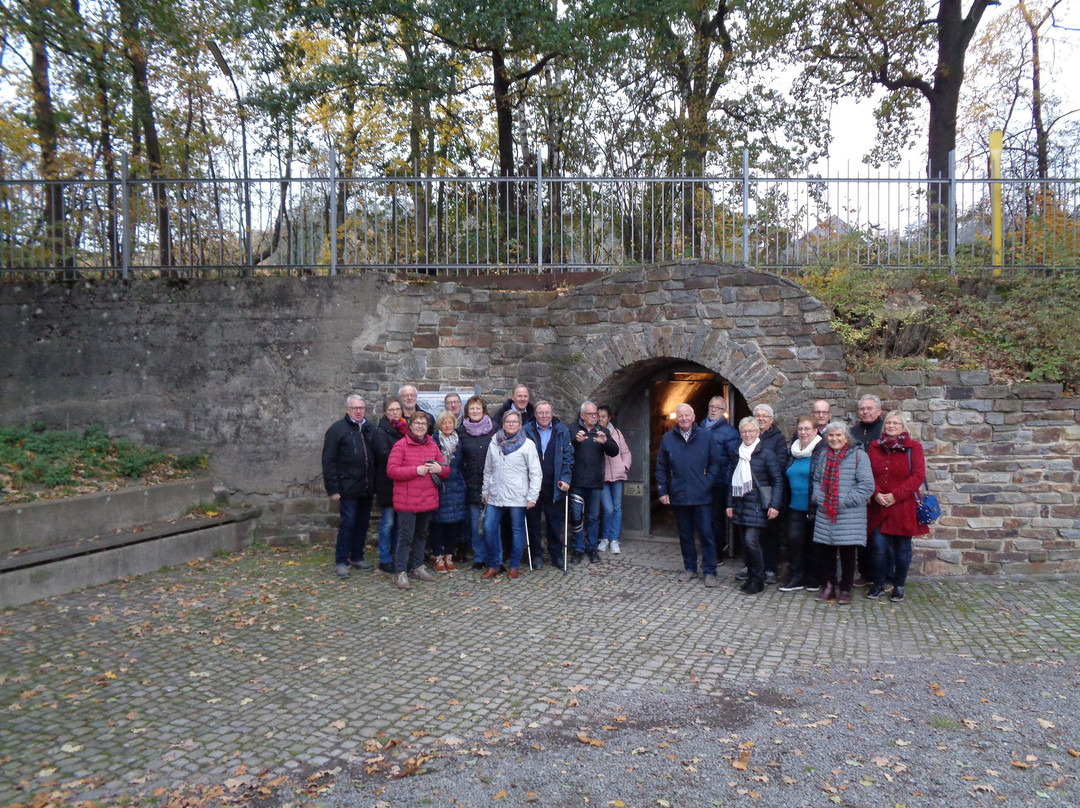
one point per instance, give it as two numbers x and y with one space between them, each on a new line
585 518
880 546
552 513
388 535
352 530
611 505
492 517
699 518
474 533
412 540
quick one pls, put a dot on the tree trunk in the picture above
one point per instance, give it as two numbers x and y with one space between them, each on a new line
142 107
46 129
1042 137
108 158
504 119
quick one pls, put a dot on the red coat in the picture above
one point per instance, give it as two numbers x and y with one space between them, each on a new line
414 493
892 475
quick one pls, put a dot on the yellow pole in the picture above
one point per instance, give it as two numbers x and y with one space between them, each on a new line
996 141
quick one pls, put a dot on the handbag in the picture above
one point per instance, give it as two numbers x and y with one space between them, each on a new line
927 507
765 494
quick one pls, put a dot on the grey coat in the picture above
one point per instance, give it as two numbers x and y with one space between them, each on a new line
856 488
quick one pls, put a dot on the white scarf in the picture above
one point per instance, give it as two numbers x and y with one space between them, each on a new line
742 481
809 450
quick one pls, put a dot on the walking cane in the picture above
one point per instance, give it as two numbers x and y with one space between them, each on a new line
565 528
528 545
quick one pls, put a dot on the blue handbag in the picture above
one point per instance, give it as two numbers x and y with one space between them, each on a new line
927 507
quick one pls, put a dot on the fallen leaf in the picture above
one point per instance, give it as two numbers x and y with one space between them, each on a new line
71 747
581 736
1046 724
499 795
743 761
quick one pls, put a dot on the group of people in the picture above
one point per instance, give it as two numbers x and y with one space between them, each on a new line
492 486
836 492
842 496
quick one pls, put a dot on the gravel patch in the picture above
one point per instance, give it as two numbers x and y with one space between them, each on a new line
927 732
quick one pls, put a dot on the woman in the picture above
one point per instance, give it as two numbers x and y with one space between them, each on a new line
413 461
450 517
391 428
805 450
754 499
615 473
475 433
899 468
841 484
512 477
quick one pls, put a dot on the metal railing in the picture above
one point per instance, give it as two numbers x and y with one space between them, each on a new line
470 225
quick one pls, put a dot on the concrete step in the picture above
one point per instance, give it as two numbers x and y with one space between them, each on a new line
61 567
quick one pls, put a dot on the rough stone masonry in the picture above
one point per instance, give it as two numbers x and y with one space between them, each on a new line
252 370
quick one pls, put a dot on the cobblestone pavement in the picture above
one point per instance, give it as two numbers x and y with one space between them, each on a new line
267 662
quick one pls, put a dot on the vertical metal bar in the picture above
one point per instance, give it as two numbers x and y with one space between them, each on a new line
746 206
333 212
952 211
125 207
539 206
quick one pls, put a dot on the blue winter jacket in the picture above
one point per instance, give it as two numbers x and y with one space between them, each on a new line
564 453
452 507
727 437
688 470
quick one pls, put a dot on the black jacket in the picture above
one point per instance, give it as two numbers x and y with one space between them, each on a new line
865 434
529 413
774 439
383 438
347 460
589 456
473 451
765 469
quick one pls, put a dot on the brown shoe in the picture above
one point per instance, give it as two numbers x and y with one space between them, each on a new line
490 573
827 593
448 561
843 599
440 563
513 574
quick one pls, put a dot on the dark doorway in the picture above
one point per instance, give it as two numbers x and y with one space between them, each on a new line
645 413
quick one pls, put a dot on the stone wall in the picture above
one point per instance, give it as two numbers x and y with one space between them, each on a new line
1004 460
254 370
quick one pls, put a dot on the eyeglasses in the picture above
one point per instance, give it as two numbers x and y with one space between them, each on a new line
357 407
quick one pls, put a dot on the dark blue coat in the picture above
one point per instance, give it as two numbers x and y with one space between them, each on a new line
688 470
564 453
727 437
452 507
473 451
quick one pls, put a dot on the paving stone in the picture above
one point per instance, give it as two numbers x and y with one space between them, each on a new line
180 676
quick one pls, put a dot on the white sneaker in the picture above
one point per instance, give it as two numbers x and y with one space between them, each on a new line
602 546
615 548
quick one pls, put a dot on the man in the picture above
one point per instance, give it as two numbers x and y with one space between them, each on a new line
687 468
552 440
591 444
772 437
407 396
349 478
519 403
452 404
867 428
822 412
726 437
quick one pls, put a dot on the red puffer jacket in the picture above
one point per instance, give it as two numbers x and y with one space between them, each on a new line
414 493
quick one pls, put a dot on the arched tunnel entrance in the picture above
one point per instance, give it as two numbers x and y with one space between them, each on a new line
643 397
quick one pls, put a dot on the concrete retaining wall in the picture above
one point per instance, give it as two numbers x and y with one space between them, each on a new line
39 524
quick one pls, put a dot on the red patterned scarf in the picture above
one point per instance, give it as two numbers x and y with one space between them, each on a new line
830 482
